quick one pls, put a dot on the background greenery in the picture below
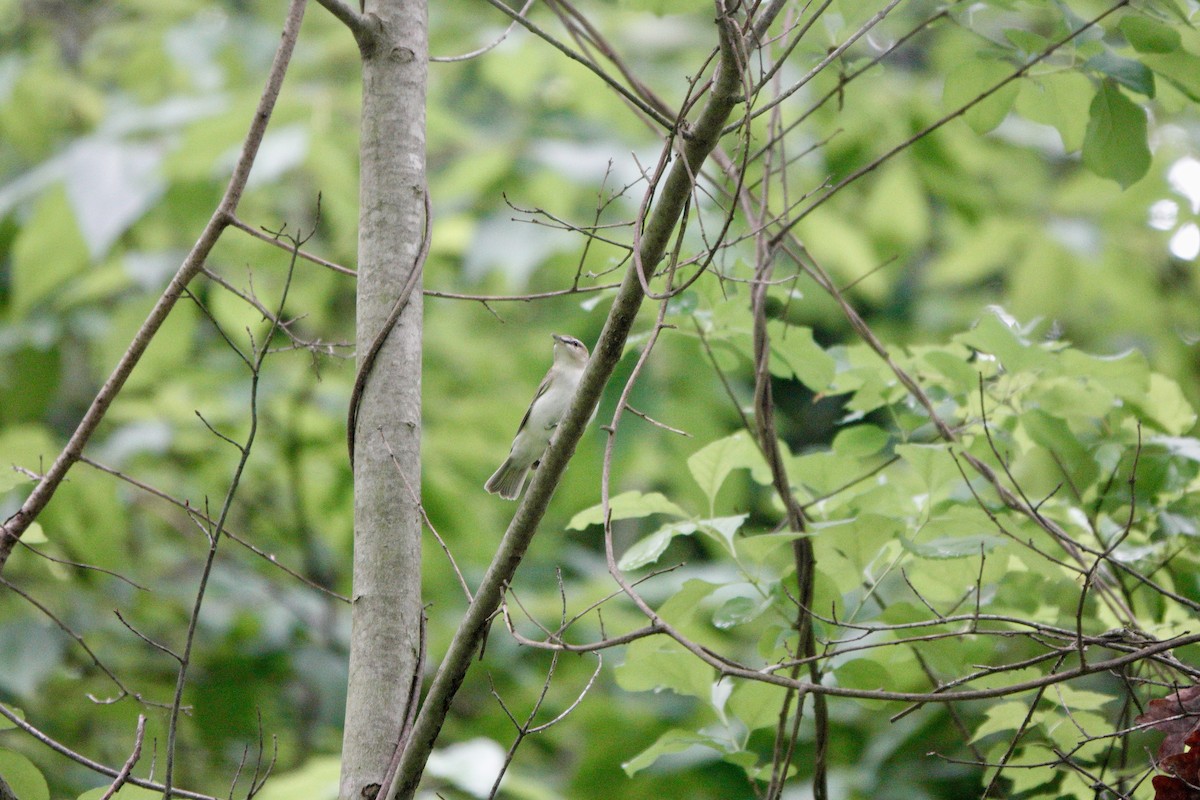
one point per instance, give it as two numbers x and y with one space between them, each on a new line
118 123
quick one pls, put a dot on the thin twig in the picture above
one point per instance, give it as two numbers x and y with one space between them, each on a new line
95 766
216 530
123 775
487 47
270 558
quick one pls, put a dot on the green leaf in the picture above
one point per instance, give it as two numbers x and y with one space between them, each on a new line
658 663
627 505
5 724
1001 717
747 760
711 464
1147 35
1181 69
1028 41
954 546
762 551
1133 75
972 78
23 777
1080 699
650 548
34 534
1167 406
756 704
740 610
1071 398
859 441
996 337
932 464
987 248
858 540
724 529
48 252
897 208
1115 143
1065 731
1023 771
795 347
1060 99
820 473
845 250
1126 375
861 373
1056 437
955 367
864 673
673 741
317 780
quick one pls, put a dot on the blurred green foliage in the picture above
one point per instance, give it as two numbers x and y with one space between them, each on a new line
1063 199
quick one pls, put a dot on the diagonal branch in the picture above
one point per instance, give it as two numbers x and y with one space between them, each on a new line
16 525
356 22
18 721
676 190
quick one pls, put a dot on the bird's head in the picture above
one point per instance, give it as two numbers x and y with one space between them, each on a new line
569 350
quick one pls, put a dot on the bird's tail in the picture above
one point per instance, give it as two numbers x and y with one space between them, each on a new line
508 480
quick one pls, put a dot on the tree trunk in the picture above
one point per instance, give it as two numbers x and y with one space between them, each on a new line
385 637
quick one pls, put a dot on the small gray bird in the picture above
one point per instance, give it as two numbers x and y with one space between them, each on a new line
549 406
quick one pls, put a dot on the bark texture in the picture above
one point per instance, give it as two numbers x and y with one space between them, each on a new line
385 638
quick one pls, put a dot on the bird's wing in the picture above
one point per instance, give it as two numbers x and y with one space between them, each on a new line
541 390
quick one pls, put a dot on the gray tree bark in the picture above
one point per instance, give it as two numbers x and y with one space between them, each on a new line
385 637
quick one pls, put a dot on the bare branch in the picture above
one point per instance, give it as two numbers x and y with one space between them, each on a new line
625 93
357 23
15 525
94 766
270 558
487 47
276 241
123 775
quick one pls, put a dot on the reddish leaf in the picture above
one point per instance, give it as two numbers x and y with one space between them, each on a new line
1177 715
1167 788
1186 765
1184 781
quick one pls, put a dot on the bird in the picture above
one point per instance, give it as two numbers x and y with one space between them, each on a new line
549 406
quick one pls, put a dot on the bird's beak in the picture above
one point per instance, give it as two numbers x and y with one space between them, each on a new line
558 337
